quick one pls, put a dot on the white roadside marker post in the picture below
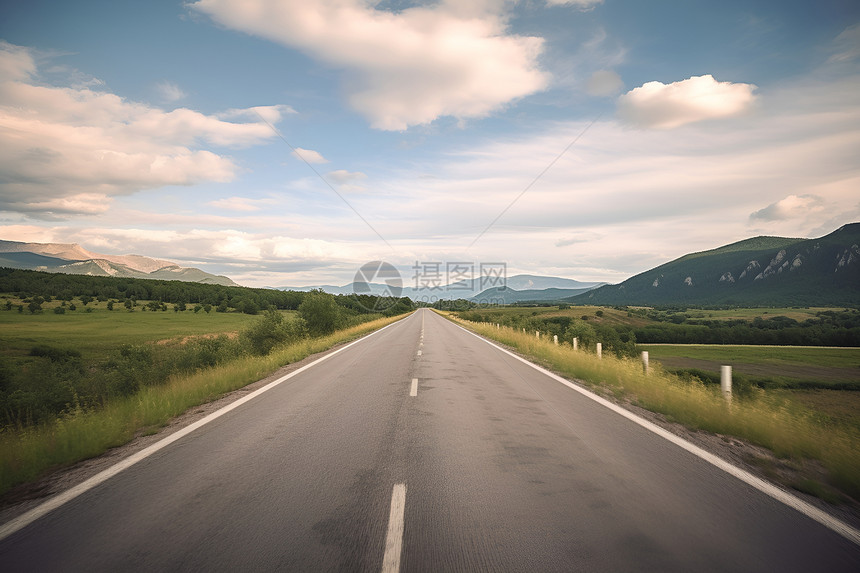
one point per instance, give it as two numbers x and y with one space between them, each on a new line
645 365
726 382
555 339
537 334
599 350
575 341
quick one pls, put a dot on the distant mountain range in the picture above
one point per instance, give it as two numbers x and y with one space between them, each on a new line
767 271
762 271
70 258
517 288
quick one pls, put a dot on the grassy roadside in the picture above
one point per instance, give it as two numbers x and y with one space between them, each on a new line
79 435
788 430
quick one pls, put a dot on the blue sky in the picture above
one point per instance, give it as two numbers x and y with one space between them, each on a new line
403 129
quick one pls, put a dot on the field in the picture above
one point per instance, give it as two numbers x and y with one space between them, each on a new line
607 315
95 334
813 377
798 314
790 364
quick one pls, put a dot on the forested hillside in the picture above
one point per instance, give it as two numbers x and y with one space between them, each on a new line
762 271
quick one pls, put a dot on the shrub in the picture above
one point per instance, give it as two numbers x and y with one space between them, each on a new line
272 330
320 312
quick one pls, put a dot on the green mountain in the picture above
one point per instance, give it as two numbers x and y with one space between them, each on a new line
766 271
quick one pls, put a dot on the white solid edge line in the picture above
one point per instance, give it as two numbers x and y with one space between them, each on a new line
776 493
394 538
414 390
62 498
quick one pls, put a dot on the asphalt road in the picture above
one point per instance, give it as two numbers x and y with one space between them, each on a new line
502 467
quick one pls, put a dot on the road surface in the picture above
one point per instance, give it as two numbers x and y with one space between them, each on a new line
423 448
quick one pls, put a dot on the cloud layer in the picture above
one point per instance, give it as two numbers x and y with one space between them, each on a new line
666 106
70 149
405 68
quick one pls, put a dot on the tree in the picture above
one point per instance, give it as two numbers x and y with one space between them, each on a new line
320 312
582 331
34 307
271 330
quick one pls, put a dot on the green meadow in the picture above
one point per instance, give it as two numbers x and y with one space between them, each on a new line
790 364
98 332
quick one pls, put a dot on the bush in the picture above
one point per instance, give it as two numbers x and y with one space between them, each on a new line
320 312
130 369
272 330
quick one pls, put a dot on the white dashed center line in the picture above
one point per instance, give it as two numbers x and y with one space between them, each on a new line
394 539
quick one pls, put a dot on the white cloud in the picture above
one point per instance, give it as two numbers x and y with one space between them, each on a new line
604 83
847 45
242 204
82 204
582 4
169 91
792 207
344 176
698 98
62 146
270 113
16 62
309 155
347 180
405 68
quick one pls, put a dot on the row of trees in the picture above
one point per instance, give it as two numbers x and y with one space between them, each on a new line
616 339
49 286
828 328
36 288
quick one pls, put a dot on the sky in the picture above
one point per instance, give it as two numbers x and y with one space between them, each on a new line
287 143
